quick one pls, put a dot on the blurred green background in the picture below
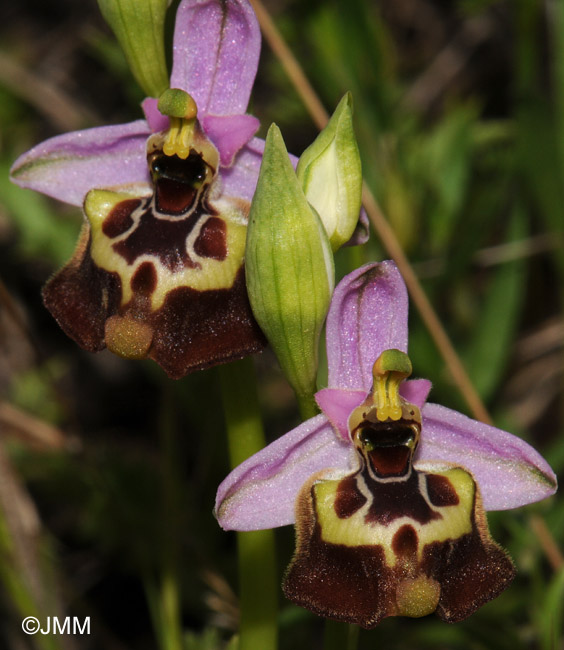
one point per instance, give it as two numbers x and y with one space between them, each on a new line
108 470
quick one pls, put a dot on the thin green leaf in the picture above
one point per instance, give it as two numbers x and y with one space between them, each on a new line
139 28
495 329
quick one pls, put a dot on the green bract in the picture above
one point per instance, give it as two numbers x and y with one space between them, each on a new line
289 267
331 175
139 28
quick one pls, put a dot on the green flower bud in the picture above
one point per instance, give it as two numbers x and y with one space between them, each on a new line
289 267
139 28
331 175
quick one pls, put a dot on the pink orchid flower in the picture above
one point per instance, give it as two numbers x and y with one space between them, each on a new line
158 271
386 490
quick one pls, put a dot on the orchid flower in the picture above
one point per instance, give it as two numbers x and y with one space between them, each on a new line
387 492
158 270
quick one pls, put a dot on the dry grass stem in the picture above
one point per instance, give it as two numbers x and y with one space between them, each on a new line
31 430
448 64
61 110
547 542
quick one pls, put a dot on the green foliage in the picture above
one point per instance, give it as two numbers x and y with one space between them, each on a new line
36 221
139 28
490 349
551 614
34 391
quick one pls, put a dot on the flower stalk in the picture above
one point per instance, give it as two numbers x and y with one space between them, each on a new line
340 636
169 596
258 579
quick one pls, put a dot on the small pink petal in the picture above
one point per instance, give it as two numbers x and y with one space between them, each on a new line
416 391
368 315
337 405
361 233
156 120
229 133
241 179
510 472
261 492
215 54
68 166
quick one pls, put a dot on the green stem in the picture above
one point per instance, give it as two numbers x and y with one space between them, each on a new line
258 580
308 406
340 636
170 617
